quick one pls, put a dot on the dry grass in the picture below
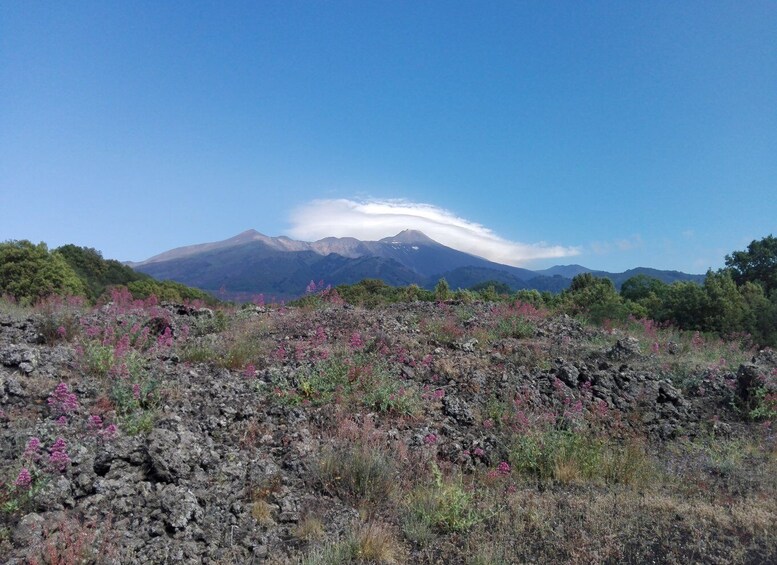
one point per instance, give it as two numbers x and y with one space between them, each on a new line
310 528
372 542
624 526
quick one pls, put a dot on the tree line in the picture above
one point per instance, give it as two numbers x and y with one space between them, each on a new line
30 272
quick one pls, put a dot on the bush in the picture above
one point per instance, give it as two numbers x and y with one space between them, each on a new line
30 272
358 474
443 506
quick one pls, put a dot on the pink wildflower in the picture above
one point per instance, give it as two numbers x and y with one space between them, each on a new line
356 341
109 432
32 451
24 480
94 423
62 399
166 339
58 457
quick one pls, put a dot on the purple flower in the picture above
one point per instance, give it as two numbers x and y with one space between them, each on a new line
24 480
478 452
166 339
62 399
58 457
62 421
122 346
356 341
503 468
110 431
32 451
95 422
430 439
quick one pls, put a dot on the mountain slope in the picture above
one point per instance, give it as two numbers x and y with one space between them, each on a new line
253 263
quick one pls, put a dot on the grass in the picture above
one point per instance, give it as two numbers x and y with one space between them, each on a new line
357 473
569 457
373 542
442 505
360 379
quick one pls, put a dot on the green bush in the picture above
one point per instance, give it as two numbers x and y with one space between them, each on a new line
30 272
443 506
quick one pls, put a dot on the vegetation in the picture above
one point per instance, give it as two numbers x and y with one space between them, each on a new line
29 273
378 401
740 299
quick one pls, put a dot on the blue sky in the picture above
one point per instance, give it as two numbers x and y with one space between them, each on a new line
610 134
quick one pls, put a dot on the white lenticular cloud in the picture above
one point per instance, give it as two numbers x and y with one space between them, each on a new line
372 220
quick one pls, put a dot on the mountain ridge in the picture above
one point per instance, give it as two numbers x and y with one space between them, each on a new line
252 262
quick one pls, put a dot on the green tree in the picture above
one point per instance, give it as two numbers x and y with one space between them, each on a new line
98 273
757 264
685 305
760 318
442 291
29 272
725 308
595 297
640 287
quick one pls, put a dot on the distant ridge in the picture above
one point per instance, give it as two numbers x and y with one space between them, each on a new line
253 263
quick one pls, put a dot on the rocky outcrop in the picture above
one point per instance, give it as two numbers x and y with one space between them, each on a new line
222 471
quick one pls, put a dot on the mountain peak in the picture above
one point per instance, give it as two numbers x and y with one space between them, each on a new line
410 236
247 235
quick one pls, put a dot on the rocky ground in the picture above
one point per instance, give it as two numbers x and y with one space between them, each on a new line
414 433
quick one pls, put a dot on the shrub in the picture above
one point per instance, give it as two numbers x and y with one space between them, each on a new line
358 474
442 506
58 317
30 272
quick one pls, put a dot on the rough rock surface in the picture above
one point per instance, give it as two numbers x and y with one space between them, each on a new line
184 490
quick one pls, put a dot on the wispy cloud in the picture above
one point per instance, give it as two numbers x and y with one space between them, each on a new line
375 219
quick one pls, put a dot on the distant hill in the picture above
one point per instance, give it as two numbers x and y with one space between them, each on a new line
252 263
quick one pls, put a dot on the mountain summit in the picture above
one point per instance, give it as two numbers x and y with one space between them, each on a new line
410 237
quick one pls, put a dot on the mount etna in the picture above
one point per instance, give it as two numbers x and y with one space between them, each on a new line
252 263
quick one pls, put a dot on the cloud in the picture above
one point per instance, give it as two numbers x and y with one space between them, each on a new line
374 219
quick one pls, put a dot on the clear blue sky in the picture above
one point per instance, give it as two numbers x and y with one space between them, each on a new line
630 133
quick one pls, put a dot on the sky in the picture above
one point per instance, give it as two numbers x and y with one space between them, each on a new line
609 134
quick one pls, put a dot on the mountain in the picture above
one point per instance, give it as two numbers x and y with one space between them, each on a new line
566 271
252 263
